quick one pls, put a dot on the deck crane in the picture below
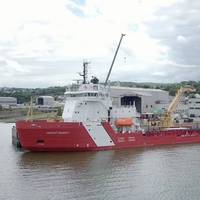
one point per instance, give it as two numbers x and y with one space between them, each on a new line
167 120
113 61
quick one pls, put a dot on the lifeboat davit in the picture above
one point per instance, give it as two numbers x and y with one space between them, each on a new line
124 122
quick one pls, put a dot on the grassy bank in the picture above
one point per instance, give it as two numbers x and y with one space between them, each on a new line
21 114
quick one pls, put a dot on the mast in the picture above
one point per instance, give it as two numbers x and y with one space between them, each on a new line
106 82
85 72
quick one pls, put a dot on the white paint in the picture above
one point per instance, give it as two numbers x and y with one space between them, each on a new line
124 112
98 134
86 102
91 111
68 111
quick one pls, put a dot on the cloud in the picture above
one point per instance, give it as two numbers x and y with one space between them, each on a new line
181 39
179 31
47 41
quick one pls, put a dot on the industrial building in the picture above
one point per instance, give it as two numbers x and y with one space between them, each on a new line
189 108
194 107
45 101
8 101
145 100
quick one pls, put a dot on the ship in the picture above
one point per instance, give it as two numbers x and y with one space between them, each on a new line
90 122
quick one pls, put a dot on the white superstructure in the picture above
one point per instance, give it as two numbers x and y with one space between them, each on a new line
87 102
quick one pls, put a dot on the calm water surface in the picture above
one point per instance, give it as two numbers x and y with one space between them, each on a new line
170 172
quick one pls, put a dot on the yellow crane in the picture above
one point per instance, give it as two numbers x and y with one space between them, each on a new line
30 111
167 120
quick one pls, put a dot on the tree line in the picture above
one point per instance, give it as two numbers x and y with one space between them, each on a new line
24 95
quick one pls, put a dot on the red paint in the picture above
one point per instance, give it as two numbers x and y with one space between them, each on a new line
64 136
57 136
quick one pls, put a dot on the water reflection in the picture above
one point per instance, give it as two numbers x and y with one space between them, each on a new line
79 175
77 160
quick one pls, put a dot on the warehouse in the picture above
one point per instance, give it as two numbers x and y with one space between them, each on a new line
8 101
194 107
145 100
45 101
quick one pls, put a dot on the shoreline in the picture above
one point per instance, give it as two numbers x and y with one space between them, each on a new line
37 116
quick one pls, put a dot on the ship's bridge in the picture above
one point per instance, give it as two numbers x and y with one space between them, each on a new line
87 102
87 90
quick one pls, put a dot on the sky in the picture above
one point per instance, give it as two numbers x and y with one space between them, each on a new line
44 42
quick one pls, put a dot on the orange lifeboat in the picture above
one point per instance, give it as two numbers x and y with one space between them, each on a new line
124 122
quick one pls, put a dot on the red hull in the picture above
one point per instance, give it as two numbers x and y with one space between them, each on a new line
64 136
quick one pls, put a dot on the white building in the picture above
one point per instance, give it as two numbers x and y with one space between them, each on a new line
189 108
8 101
45 101
145 100
194 107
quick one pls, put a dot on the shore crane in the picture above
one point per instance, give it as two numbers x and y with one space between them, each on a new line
167 120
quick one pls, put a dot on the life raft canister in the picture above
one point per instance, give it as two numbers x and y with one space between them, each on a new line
124 122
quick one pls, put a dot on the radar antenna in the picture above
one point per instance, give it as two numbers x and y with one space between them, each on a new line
106 82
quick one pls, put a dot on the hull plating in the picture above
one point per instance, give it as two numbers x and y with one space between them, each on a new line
64 136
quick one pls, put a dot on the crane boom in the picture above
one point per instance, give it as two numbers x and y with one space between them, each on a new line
173 105
122 35
167 120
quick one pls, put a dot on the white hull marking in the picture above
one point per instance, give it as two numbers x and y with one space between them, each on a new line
98 134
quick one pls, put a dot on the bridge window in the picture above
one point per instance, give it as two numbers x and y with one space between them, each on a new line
95 87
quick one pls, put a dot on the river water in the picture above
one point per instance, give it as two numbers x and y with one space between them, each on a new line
169 172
